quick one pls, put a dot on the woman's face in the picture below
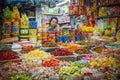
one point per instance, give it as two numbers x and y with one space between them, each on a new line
53 23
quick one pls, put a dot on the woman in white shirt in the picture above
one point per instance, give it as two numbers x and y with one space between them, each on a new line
53 25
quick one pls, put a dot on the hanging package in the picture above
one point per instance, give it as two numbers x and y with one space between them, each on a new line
24 21
7 13
16 14
33 24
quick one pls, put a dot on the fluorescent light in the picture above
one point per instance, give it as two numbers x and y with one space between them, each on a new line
62 3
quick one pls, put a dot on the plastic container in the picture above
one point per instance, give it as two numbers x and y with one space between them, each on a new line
65 32
51 33
33 24
44 34
59 39
32 31
4 36
24 31
24 38
33 39
66 39
15 30
78 38
39 35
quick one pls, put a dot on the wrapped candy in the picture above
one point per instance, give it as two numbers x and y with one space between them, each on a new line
15 13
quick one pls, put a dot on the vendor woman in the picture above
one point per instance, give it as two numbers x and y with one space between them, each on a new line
53 24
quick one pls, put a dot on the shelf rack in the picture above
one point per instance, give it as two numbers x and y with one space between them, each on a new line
107 5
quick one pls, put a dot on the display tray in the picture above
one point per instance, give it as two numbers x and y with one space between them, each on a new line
12 60
67 58
96 53
113 47
46 48
93 52
82 45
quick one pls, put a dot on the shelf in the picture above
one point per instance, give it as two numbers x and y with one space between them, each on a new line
109 4
112 16
52 14
64 22
60 22
75 14
31 17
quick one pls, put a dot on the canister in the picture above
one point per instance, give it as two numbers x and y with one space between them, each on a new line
24 31
33 39
4 36
66 39
32 31
24 38
45 34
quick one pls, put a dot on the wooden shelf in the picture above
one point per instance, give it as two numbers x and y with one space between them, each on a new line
112 16
52 14
109 4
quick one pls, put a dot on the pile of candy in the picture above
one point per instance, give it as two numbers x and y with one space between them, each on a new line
26 49
73 48
7 55
49 44
103 61
64 44
52 62
108 51
61 52
82 51
36 54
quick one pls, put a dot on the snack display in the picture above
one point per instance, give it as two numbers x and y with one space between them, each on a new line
61 52
83 42
64 44
103 61
76 40
82 51
7 55
98 50
118 52
36 54
52 62
49 44
72 72
108 51
72 48
27 49
115 45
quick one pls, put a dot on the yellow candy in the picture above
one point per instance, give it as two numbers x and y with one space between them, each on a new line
36 54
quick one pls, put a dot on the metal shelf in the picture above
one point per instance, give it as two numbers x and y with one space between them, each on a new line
109 4
52 14
112 16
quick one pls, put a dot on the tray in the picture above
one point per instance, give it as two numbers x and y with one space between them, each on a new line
67 58
10 60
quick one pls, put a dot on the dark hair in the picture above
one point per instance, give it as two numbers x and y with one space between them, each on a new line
52 19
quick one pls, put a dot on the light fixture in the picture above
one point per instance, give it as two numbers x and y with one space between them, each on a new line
62 3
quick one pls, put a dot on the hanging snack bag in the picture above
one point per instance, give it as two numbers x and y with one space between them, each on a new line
15 13
24 21
7 13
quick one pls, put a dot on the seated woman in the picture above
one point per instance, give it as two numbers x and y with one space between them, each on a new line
53 24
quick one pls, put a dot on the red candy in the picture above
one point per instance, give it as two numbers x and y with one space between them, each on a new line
7 56
61 52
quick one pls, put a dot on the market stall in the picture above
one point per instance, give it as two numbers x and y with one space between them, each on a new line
82 47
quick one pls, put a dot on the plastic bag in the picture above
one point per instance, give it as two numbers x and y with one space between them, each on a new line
16 14
7 13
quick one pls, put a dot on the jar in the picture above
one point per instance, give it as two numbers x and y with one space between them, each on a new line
4 36
24 38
